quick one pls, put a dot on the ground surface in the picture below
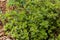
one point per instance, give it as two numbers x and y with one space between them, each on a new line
2 33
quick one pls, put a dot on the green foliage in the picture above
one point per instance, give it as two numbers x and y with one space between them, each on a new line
33 20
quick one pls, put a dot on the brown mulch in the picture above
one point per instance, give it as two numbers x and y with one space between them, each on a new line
6 38
2 32
3 5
